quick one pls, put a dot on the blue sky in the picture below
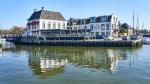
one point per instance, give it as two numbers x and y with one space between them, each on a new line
16 12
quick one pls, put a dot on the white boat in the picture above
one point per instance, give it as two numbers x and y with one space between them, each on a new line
2 40
146 40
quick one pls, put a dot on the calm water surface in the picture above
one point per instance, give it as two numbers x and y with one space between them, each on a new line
74 65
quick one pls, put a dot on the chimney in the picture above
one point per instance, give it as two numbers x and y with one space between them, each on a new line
34 10
42 8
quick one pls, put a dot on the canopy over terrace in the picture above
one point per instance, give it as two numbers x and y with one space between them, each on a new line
61 31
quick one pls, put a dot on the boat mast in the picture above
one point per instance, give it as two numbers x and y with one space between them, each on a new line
133 23
137 26
142 28
1 28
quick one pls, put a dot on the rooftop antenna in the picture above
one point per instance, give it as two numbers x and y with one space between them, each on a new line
42 8
34 10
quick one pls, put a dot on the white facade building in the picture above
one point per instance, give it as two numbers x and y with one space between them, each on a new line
102 25
43 21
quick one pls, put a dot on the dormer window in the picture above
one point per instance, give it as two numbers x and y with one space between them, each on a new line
104 19
93 19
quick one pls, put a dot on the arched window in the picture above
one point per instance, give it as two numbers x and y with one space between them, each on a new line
49 25
58 25
54 25
37 26
43 24
63 26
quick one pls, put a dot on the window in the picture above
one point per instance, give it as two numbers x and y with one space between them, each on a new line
43 24
103 33
37 26
79 27
97 26
70 28
97 33
102 26
114 19
91 27
63 26
59 25
107 33
113 26
92 32
104 19
93 19
81 22
108 26
84 21
34 26
49 25
85 27
31 27
54 25
75 28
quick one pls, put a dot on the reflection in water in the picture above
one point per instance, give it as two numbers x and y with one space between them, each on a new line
47 64
43 64
6 46
0 52
47 61
45 67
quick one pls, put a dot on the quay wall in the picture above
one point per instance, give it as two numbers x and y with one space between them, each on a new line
92 43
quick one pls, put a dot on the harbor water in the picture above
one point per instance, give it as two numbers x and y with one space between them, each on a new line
22 64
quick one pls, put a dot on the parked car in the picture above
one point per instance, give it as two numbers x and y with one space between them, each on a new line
109 38
99 37
125 38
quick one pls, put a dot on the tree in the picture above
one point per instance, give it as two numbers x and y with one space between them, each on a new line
13 30
16 30
123 28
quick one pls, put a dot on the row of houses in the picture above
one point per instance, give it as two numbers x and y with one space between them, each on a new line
102 25
44 22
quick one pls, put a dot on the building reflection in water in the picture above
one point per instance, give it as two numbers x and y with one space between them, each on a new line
47 64
114 58
50 61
